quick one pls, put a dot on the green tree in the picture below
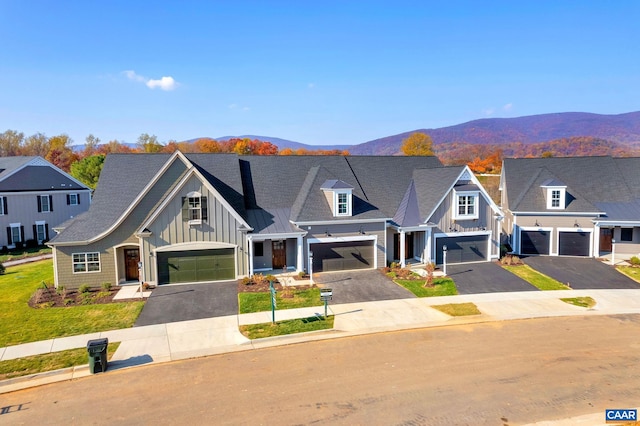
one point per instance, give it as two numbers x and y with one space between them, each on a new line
149 143
11 143
417 144
88 170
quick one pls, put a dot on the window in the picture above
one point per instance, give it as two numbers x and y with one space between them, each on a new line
86 262
45 203
15 234
466 206
258 249
3 206
343 203
194 208
626 234
556 198
40 232
73 199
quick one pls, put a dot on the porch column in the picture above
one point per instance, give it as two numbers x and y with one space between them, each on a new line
402 253
299 259
250 256
427 247
596 240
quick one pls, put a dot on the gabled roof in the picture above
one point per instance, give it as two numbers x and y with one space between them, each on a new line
590 181
35 174
408 213
335 184
433 185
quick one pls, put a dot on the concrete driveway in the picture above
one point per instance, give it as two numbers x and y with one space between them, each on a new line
581 273
488 277
177 302
361 286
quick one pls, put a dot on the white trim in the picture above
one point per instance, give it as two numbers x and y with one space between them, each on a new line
199 245
475 196
322 240
86 263
535 228
620 223
574 229
341 222
562 196
462 234
50 191
115 257
265 237
556 213
55 267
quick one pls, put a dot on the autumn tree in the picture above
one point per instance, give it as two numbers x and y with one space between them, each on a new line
207 145
88 170
90 146
10 143
37 144
418 144
113 147
149 143
60 152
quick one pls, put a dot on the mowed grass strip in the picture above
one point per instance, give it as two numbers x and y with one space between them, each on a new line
24 253
281 328
48 362
535 278
583 302
441 287
630 271
21 324
260 302
458 309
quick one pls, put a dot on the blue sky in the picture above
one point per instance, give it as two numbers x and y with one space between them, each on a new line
323 72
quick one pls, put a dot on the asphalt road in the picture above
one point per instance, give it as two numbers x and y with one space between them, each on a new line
503 373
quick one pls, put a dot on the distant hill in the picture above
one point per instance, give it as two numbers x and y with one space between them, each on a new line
283 143
621 128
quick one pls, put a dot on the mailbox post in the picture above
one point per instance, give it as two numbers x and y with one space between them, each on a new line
311 267
444 259
273 302
140 279
326 294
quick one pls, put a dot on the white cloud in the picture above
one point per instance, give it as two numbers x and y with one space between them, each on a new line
164 83
508 107
238 107
488 111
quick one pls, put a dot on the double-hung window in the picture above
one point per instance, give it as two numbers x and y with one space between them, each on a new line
194 208
73 199
466 206
45 203
555 198
15 233
86 262
343 203
40 232
3 206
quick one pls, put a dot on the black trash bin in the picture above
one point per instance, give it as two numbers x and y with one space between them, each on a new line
97 350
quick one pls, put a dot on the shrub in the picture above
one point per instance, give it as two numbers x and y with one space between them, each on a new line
106 287
84 288
245 281
635 261
19 245
429 267
2 269
4 250
31 243
62 291
302 274
271 278
394 265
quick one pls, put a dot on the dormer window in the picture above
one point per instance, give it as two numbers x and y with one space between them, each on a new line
555 193
339 196
194 208
466 205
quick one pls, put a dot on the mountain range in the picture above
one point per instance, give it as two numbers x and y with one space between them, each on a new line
620 128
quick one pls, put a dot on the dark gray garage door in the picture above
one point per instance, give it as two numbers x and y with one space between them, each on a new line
574 243
343 256
196 266
471 248
534 242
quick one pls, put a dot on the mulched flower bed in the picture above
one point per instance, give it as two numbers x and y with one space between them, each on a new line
50 298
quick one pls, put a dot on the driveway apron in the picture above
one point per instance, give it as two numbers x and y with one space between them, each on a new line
177 302
581 273
488 277
361 286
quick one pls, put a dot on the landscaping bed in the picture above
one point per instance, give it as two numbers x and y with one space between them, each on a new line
49 297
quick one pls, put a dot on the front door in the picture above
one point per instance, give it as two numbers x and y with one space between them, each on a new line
606 234
408 246
279 254
131 259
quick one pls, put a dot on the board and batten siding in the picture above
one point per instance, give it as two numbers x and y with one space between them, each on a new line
443 218
169 228
23 209
123 234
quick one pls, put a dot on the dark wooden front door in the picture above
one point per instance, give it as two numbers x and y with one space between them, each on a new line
408 246
606 234
131 259
279 254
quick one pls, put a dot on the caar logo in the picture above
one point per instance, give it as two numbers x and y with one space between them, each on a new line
618 415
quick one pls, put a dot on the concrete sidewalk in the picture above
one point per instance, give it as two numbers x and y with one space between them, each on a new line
188 339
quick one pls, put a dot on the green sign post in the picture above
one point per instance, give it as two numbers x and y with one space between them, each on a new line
273 302
326 294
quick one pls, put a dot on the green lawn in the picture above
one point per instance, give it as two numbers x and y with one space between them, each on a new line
458 309
21 324
583 302
441 287
280 328
535 278
48 362
23 253
630 271
260 302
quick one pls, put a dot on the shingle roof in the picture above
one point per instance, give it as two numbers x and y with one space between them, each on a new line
590 181
34 174
432 185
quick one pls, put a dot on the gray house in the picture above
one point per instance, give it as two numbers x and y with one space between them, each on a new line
183 218
573 206
35 197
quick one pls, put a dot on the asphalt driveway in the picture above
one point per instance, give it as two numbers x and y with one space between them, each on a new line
581 273
173 302
487 277
361 286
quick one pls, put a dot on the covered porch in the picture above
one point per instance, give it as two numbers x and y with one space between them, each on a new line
410 245
282 253
617 239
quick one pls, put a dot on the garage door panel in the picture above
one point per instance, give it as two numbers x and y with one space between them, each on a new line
574 243
534 242
343 256
196 266
470 248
